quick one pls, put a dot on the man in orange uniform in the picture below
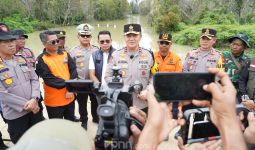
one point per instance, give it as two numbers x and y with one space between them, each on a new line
167 61
55 66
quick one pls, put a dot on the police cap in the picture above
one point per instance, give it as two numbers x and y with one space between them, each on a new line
84 29
19 33
4 36
60 33
209 33
165 37
132 28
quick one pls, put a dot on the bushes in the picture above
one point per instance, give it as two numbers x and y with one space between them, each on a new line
216 17
191 35
17 21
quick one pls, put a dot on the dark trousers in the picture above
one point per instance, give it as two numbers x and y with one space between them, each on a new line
66 112
17 127
82 99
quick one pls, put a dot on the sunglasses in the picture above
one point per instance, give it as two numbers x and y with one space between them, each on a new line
164 43
104 41
83 36
53 42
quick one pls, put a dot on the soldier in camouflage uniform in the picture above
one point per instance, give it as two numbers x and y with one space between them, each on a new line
81 55
135 63
235 59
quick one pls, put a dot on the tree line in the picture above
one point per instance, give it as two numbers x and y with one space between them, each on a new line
31 15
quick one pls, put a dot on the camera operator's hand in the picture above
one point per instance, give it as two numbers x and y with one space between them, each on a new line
209 145
141 117
142 95
223 110
158 125
249 104
249 133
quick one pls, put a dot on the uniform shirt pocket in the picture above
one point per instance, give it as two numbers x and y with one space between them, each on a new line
80 62
251 73
26 72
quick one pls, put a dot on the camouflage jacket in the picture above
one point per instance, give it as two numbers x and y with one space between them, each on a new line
231 68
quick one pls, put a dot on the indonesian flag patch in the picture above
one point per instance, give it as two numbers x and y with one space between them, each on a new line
252 65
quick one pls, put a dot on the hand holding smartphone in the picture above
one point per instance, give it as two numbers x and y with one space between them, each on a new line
182 86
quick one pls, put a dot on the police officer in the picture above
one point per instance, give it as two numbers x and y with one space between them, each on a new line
21 49
81 54
235 59
19 88
134 61
167 60
61 35
205 56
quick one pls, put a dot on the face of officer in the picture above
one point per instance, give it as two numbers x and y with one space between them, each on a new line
52 43
206 43
105 42
164 46
21 41
132 41
62 41
7 48
84 39
237 47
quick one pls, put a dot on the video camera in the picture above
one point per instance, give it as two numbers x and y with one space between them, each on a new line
114 124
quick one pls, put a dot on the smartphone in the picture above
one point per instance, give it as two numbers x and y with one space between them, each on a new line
181 86
79 86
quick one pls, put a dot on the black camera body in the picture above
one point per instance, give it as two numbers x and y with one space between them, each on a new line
114 124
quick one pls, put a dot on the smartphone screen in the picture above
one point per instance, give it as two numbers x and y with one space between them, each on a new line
79 86
182 86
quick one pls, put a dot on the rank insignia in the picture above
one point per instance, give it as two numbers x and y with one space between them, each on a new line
131 28
165 36
85 28
8 81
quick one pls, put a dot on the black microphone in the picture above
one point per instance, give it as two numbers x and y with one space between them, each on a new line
131 56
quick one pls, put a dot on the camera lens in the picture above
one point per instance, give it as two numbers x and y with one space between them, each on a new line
106 111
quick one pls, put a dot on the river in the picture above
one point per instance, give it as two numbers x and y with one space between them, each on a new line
149 36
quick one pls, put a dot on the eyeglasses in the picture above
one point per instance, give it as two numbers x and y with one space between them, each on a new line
104 41
53 42
164 42
83 36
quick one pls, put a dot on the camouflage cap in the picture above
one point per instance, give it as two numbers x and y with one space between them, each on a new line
242 37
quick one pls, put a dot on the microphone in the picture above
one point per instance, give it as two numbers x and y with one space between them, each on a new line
131 56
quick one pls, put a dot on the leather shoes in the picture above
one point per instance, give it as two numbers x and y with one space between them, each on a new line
84 125
76 119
